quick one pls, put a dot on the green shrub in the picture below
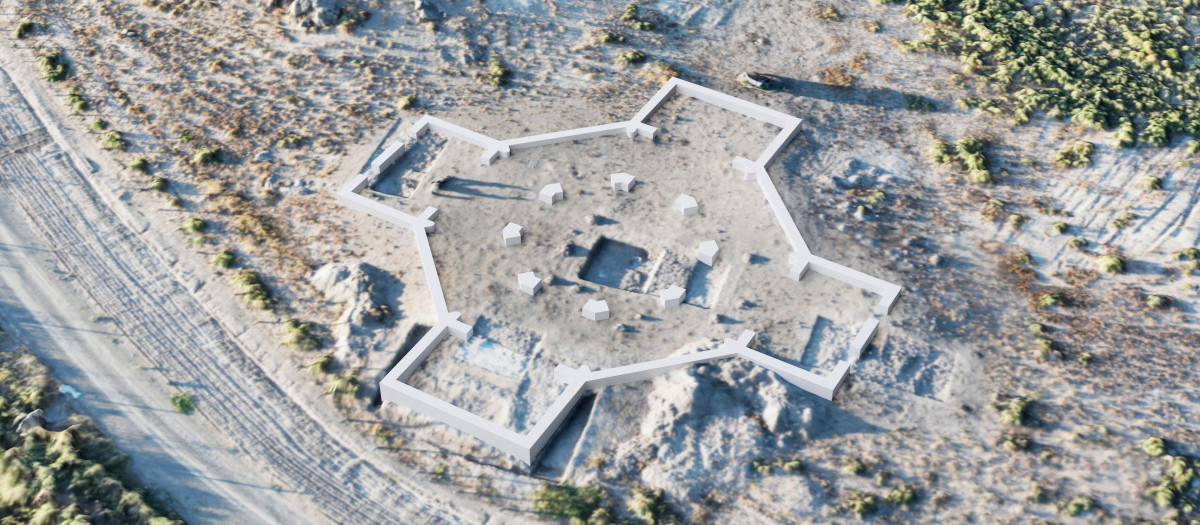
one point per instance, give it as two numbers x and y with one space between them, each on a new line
1192 147
1059 228
1157 302
633 17
1111 64
224 259
1076 506
1015 412
1154 446
1015 442
852 465
320 365
1046 300
861 504
291 141
158 184
24 28
53 68
648 505
577 504
916 102
207 156
498 73
183 402
408 101
1186 254
631 56
939 153
300 335
344 386
113 140
253 290
186 135
174 201
99 124
902 495
75 99
1110 264
609 37
194 225
1037 494
1151 183
1078 243
140 164
1077 155
761 467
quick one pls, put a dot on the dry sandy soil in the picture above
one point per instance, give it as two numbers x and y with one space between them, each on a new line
919 408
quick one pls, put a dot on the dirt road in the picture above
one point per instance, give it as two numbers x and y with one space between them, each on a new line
252 452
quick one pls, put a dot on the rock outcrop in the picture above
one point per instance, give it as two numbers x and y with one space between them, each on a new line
319 13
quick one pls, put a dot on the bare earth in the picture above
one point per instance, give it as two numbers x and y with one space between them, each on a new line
81 238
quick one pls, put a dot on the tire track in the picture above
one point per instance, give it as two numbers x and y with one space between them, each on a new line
178 336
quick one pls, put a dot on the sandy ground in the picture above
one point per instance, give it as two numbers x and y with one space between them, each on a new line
918 407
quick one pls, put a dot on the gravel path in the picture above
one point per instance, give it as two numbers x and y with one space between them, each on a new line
122 277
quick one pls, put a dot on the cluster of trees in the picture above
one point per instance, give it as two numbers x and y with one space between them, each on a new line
1128 67
70 476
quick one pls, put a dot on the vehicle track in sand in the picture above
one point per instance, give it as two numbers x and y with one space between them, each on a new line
181 340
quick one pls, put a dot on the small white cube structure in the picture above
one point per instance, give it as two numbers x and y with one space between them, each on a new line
686 205
708 252
551 194
671 296
622 182
512 234
529 283
596 310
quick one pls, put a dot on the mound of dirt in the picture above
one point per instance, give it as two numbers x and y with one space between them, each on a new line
359 288
705 425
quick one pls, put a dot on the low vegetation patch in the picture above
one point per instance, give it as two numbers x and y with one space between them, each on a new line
23 29
1015 411
1110 264
207 156
70 476
632 56
968 152
252 290
344 386
498 73
53 67
113 140
1129 65
224 259
195 225
632 15
300 335
1077 155
183 402
140 164
578 504
862 504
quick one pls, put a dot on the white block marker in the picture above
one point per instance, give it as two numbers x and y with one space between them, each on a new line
671 296
529 283
596 310
551 194
512 234
708 252
622 182
686 205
